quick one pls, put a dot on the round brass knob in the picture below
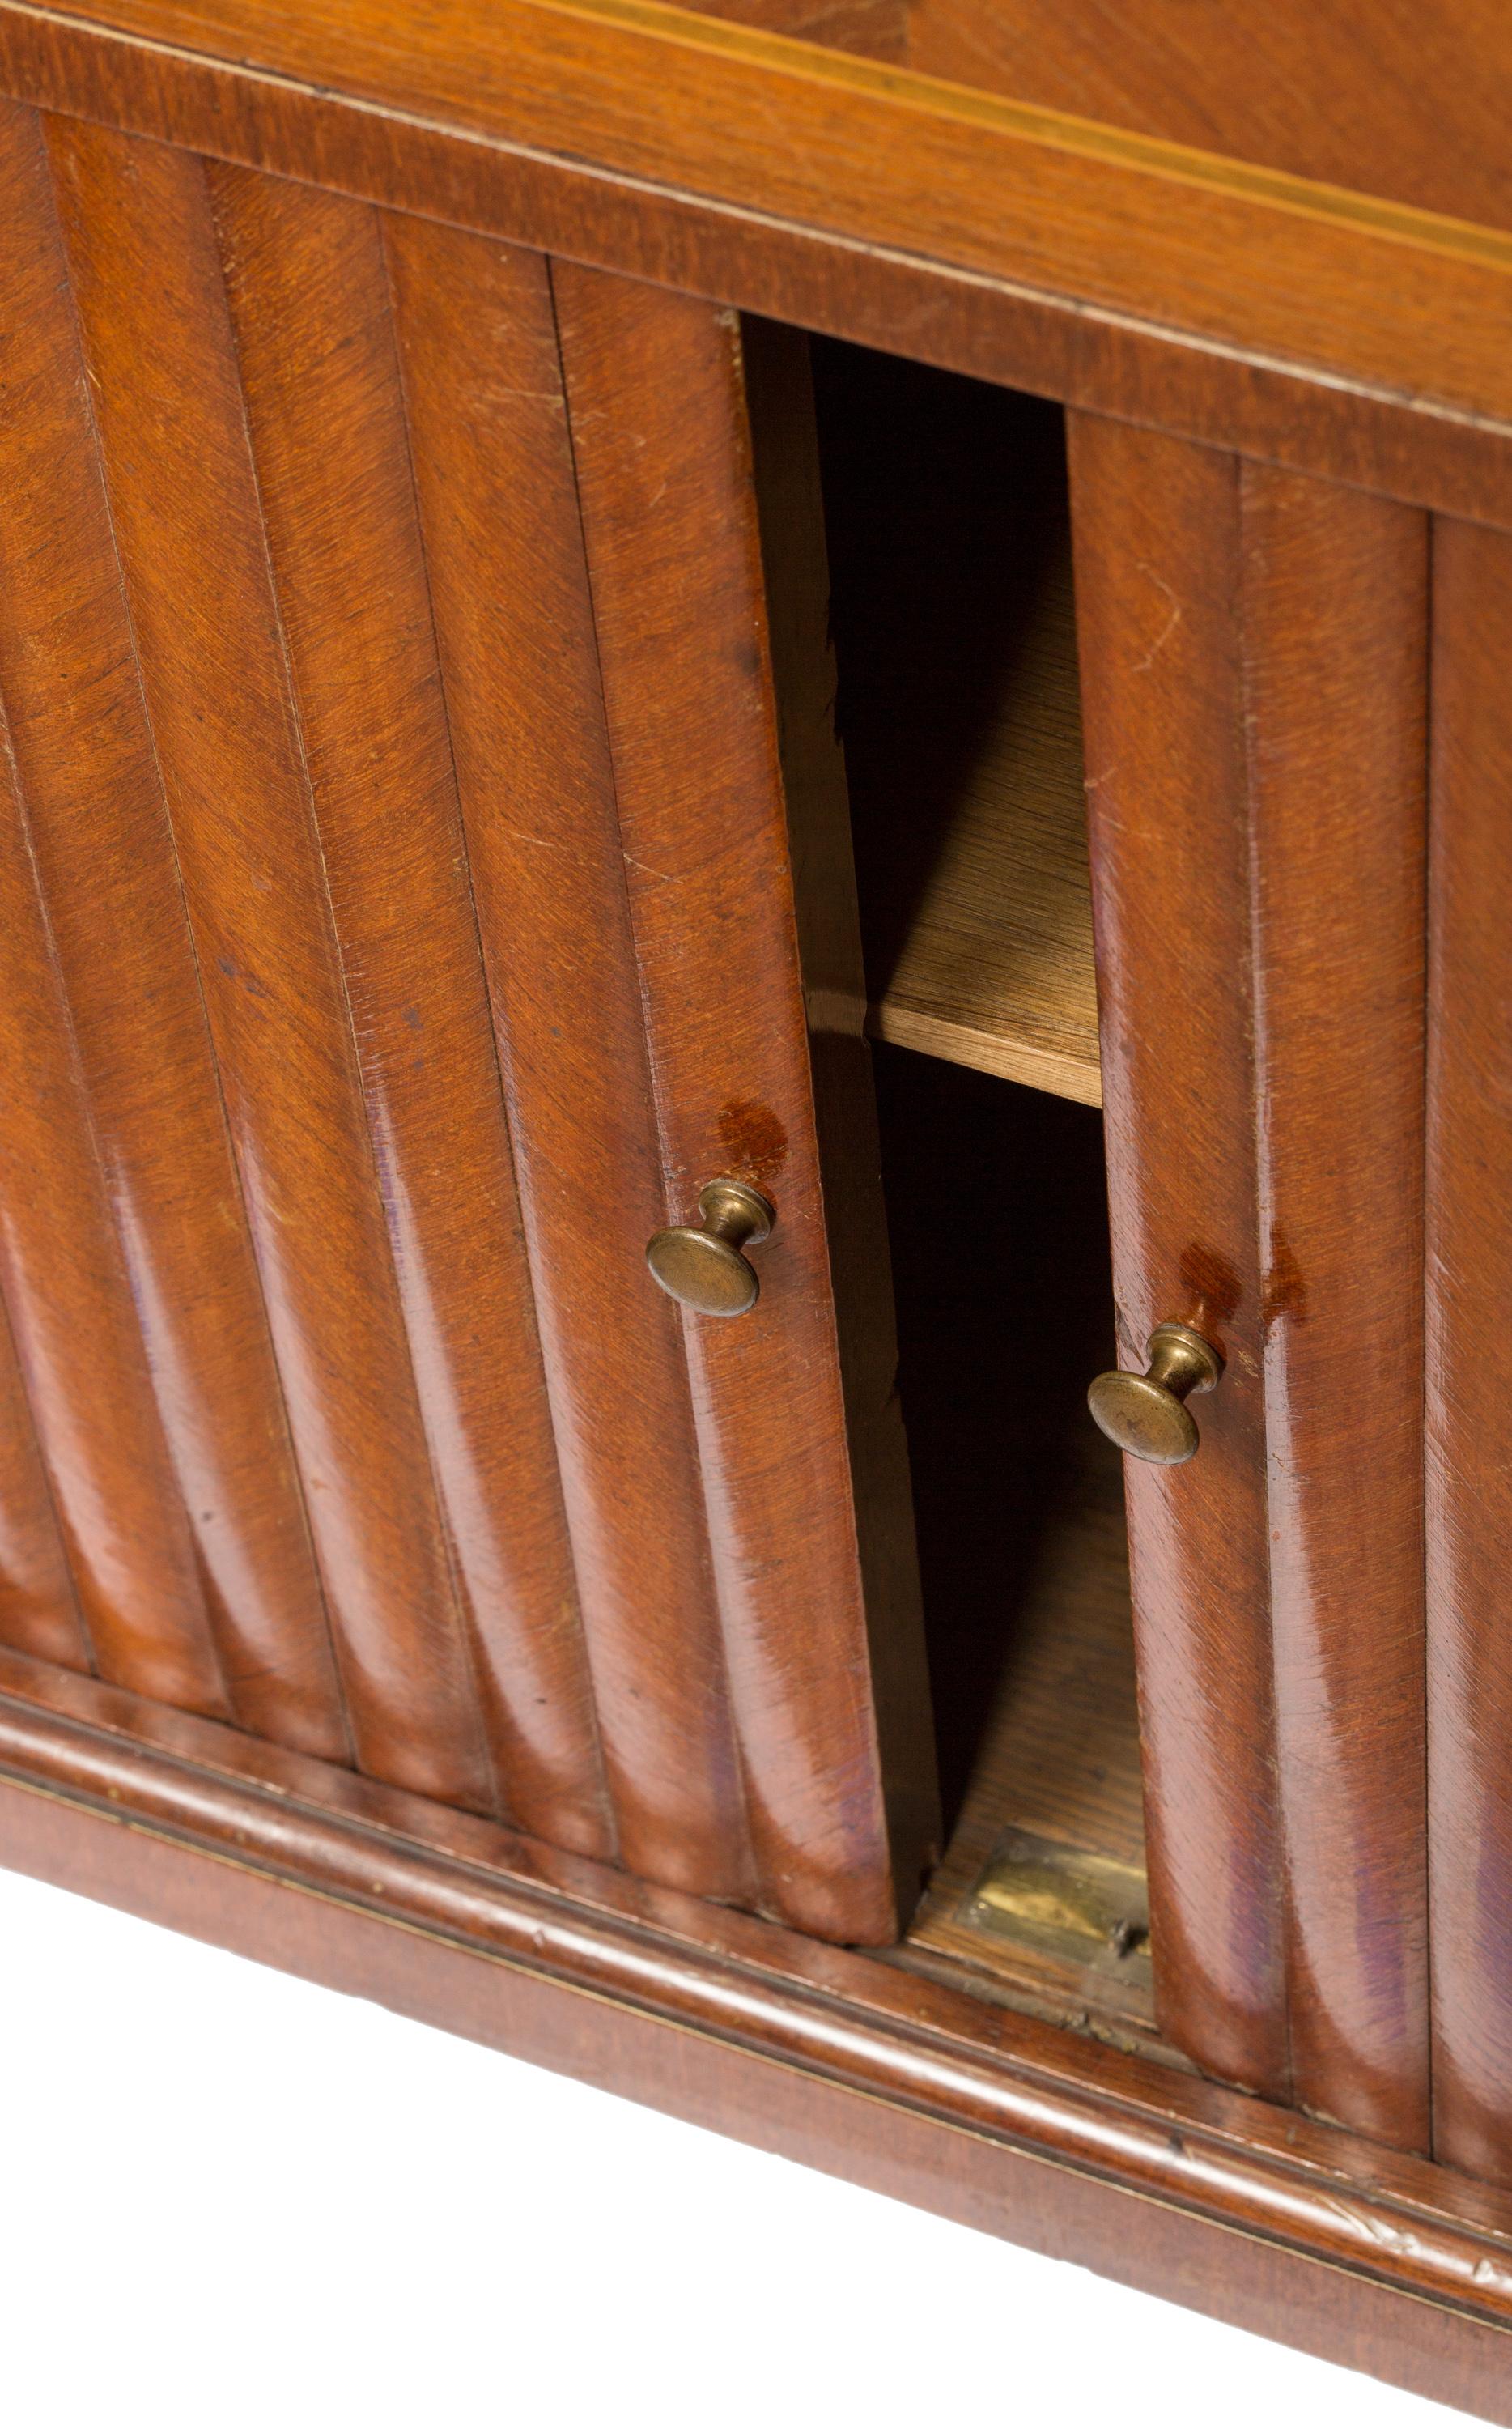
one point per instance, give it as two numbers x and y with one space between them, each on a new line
1146 1415
704 1269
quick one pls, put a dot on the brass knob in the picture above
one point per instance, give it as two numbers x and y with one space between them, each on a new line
704 1269
1146 1415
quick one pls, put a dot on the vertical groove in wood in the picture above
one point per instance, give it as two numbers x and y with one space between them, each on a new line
1253 656
1158 573
229 744
1335 632
495 476
310 304
70 1310
222 1390
662 452
37 1611
1469 1384
104 862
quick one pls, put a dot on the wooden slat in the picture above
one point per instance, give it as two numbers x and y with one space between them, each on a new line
661 445
153 306
1255 667
1335 652
80 1352
158 334
1251 259
1157 531
1470 1389
494 467
233 1561
37 1611
310 305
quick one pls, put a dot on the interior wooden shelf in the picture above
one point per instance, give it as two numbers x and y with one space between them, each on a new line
995 967
959 708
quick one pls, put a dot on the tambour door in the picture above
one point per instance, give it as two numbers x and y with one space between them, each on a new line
1256 654
399 932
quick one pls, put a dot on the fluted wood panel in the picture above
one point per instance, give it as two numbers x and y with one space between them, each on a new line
38 1613
1255 654
332 1034
662 444
1158 605
1470 1387
478 332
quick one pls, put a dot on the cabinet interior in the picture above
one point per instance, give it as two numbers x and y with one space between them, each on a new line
952 619
949 542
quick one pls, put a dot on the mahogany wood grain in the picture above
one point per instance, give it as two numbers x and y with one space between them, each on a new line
310 304
1254 665
1334 641
196 1443
1413 102
1158 573
100 1435
151 283
1469 1280
1077 2148
792 268
877 29
1249 258
497 493
662 446
37 1611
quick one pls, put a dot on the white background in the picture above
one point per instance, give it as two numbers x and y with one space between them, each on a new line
229 2200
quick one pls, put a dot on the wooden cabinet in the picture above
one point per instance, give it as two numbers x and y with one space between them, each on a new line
603 602
402 931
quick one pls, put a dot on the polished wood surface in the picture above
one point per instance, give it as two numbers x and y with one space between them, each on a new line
1412 103
1157 599
662 449
1078 2149
493 459
1367 291
366 1453
787 259
132 1291
1265 1133
409 661
38 1612
1469 1278
1335 620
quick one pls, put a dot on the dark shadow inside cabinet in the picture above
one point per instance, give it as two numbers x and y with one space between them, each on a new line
998 1232
952 620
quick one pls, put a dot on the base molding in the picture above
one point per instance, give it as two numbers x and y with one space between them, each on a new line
1293 2228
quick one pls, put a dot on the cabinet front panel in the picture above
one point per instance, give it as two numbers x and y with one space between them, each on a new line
1470 1392
349 1061
1157 599
1255 654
